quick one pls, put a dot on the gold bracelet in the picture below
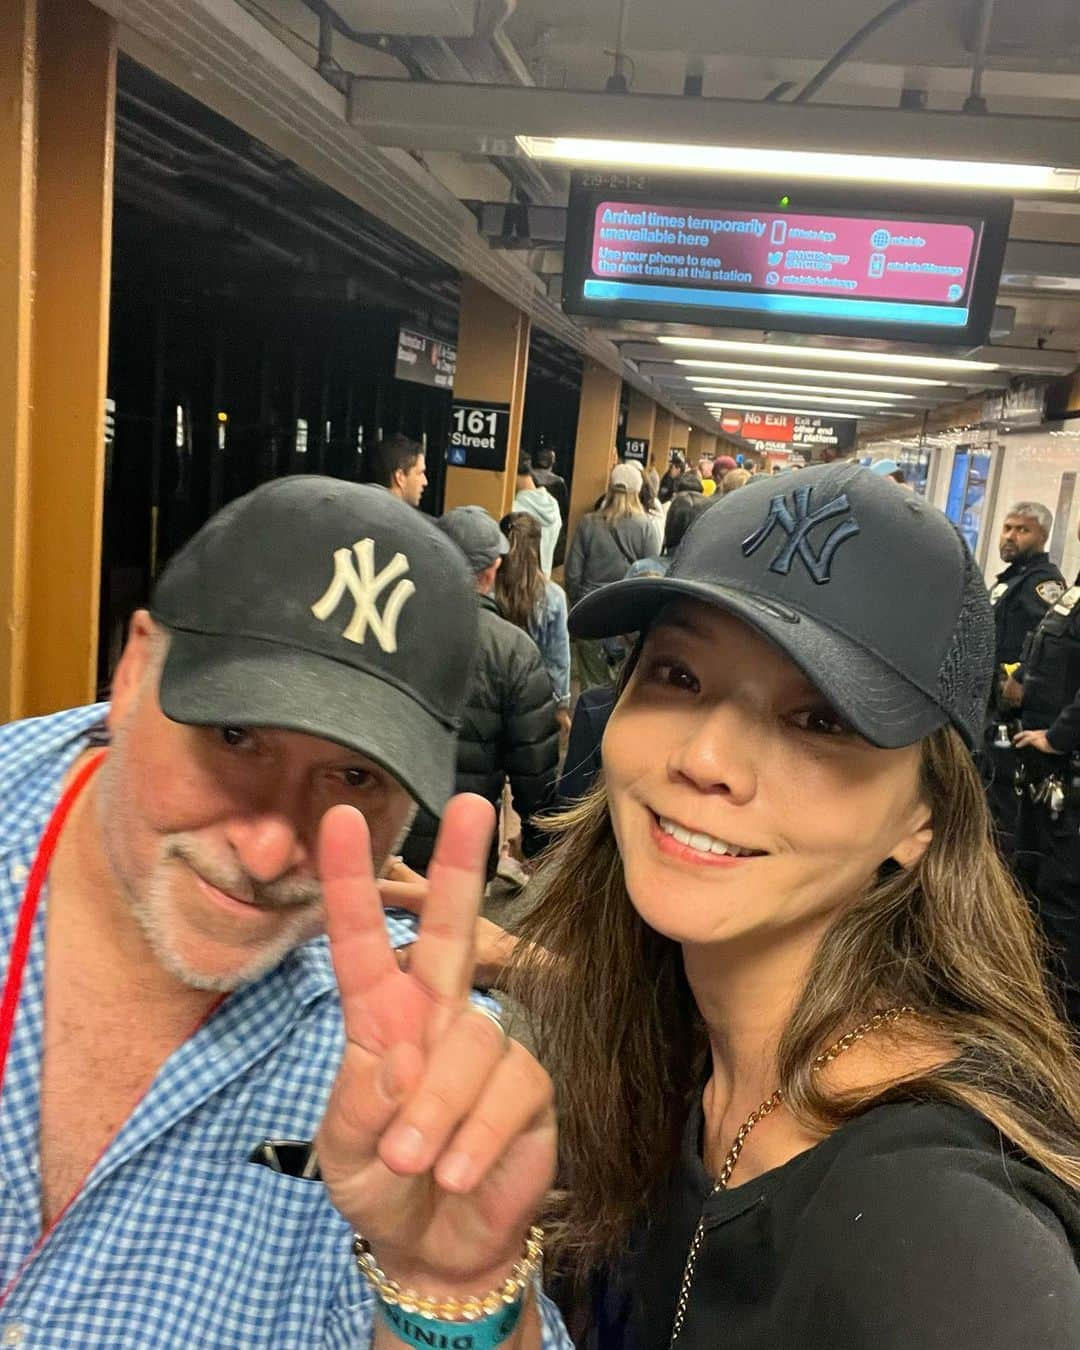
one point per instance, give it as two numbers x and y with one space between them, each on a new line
453 1309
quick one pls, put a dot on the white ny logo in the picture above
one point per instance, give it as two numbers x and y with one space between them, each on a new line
365 587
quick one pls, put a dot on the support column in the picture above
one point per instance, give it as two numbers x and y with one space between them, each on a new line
661 441
701 443
680 435
58 83
594 450
641 418
73 256
18 143
492 361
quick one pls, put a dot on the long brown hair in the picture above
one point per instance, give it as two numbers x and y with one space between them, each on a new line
618 504
519 583
617 1027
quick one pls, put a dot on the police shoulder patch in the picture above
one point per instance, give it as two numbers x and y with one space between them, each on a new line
1068 601
1049 592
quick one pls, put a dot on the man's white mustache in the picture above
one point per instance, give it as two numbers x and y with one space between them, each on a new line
287 893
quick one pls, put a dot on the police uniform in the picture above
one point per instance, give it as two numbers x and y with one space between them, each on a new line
1022 594
1048 832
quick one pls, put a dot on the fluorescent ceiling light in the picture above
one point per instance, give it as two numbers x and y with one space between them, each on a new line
861 395
854 376
717 408
732 391
827 354
748 160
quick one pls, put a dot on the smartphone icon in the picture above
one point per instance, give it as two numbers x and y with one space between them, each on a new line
779 232
877 264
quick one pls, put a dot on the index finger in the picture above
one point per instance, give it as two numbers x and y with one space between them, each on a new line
443 955
355 923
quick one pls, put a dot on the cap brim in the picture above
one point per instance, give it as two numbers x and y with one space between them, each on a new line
223 681
879 704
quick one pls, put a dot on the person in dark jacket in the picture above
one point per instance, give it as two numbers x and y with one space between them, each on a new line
1022 595
1047 858
1031 582
509 730
675 468
582 762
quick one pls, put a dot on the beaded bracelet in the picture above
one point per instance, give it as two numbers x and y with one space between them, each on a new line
476 1322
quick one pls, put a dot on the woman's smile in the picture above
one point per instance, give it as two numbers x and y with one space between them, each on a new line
696 846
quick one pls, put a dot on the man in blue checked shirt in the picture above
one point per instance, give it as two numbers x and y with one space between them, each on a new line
173 1030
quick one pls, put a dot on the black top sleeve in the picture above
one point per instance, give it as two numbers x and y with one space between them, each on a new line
582 762
531 744
914 1252
1064 735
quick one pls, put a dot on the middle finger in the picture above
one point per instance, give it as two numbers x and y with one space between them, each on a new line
443 954
455 1077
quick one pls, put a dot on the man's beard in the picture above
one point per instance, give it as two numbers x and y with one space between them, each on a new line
302 895
153 910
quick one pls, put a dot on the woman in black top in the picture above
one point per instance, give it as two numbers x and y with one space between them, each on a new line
812 1091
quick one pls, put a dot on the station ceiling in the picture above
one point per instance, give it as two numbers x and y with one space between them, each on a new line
346 91
206 213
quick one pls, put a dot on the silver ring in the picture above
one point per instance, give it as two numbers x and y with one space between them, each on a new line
493 1016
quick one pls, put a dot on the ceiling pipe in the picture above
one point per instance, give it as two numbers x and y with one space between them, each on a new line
617 82
975 102
492 15
829 69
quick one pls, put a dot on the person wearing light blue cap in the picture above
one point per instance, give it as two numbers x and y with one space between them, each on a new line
888 468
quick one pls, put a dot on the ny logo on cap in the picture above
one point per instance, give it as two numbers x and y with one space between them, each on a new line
365 586
797 527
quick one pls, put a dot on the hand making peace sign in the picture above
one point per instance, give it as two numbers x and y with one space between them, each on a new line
438 1142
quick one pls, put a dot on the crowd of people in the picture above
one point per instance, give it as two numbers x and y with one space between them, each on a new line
801 1072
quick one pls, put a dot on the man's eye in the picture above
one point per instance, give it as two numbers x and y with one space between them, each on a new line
234 735
359 778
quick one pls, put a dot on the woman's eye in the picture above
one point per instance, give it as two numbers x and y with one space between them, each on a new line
821 721
675 675
234 735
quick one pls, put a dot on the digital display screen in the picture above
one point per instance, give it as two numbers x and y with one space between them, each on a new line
967 492
828 259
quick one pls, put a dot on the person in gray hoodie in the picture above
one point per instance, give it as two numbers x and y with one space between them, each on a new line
605 545
538 502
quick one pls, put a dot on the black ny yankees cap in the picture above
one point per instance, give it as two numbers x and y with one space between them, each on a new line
329 608
867 588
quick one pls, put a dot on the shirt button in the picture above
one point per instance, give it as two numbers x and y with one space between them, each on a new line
18 873
13 1334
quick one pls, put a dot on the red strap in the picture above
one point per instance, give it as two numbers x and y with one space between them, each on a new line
20 945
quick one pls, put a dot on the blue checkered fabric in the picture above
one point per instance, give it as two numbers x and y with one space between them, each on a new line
176 1239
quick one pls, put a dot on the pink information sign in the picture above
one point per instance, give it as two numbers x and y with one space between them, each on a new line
786 252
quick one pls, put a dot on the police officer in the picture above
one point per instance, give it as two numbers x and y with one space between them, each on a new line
1048 831
1024 591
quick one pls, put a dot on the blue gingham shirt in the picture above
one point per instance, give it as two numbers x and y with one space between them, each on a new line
176 1239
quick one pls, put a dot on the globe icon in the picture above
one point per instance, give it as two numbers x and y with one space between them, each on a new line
880 238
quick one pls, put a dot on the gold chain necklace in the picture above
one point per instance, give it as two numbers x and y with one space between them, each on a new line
766 1108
